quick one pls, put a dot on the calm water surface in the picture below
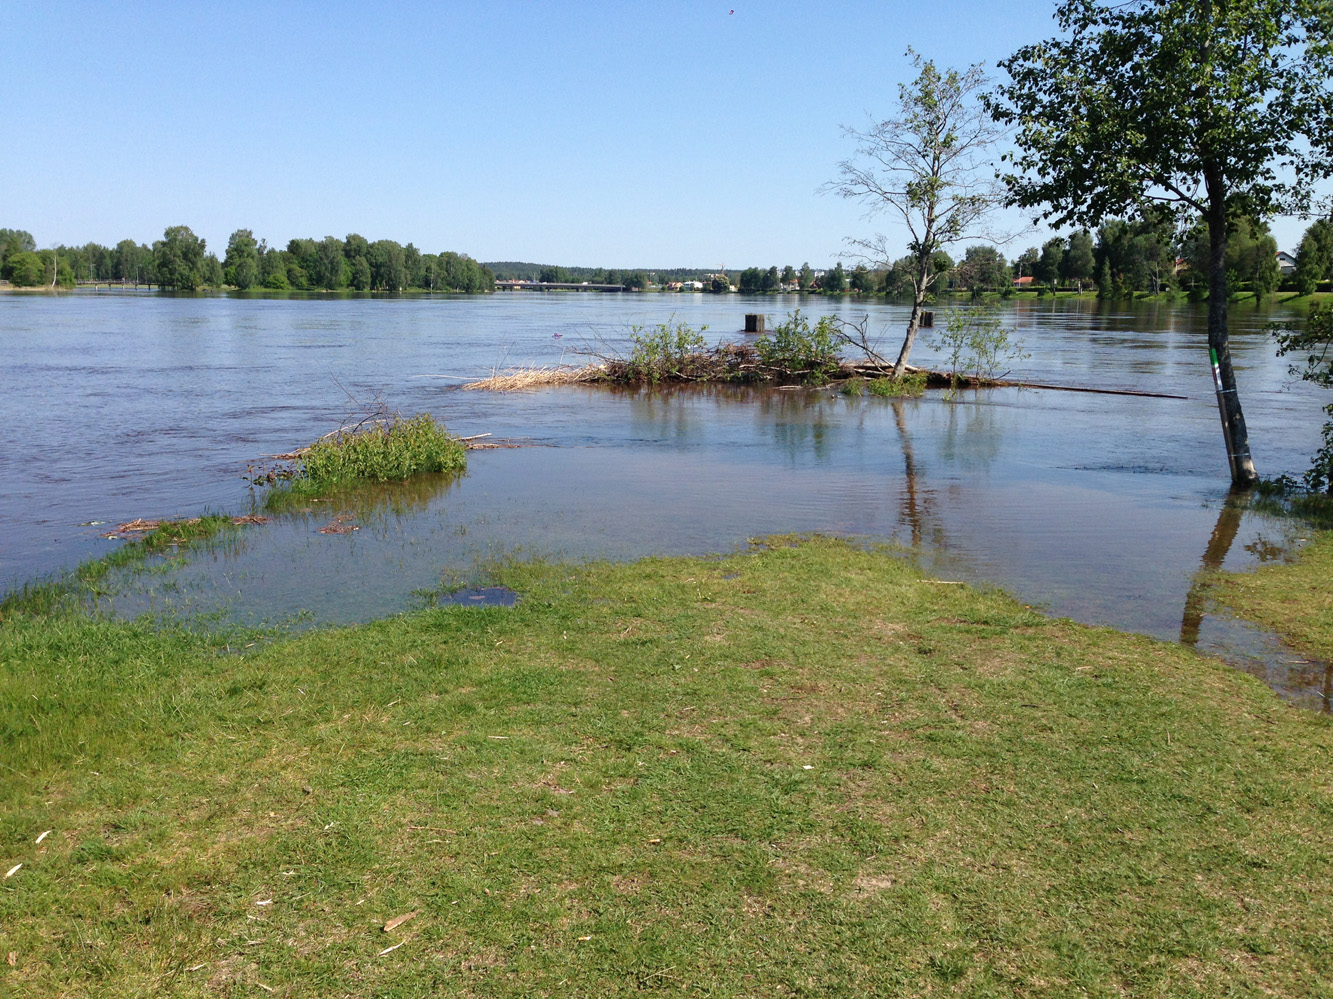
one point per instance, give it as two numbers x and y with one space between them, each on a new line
1099 507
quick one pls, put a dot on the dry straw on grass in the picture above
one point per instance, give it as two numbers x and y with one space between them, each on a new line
519 379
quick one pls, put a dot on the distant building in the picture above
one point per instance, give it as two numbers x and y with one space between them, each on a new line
1025 281
1286 263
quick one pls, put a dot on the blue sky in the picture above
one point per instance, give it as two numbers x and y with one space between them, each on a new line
619 134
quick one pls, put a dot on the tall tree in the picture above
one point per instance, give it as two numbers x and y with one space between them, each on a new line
928 169
240 267
1050 261
1314 257
1194 103
834 282
983 269
1078 263
178 258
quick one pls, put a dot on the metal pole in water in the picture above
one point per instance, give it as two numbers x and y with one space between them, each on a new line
1222 408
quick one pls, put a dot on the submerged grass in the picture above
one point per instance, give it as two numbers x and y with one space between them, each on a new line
801 770
1295 600
74 589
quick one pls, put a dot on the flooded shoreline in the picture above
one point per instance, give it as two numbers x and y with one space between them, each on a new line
1095 507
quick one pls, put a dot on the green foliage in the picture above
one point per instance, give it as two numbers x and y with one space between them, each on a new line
666 352
1315 343
394 450
796 351
241 265
834 282
975 339
983 269
1314 257
178 259
15 241
910 384
24 269
928 168
1155 98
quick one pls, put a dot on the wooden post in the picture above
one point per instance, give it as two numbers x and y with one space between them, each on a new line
754 322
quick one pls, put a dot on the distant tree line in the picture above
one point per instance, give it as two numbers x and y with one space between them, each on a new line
514 270
180 260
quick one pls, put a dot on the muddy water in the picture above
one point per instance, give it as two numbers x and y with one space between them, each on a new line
1098 507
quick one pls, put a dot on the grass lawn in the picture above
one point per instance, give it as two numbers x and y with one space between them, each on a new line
804 770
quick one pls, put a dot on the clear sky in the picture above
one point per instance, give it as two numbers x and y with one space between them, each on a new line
623 134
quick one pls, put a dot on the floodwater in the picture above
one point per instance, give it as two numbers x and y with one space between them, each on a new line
1100 507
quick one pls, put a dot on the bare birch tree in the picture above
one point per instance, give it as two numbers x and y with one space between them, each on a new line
928 169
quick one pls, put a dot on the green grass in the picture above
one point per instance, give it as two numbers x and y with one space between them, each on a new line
802 770
398 449
1295 600
86 582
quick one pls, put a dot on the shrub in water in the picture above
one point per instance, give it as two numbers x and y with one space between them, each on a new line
797 351
908 385
665 351
393 450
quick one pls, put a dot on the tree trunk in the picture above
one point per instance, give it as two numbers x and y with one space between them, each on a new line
1243 475
914 322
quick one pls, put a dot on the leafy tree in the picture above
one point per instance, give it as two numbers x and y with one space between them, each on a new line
273 268
1026 263
1251 255
983 269
1314 257
1315 342
1079 261
329 264
863 282
15 241
178 258
1048 264
925 168
24 269
387 269
751 281
241 266
805 280
636 280
834 282
359 274
788 275
1194 103
413 267
210 271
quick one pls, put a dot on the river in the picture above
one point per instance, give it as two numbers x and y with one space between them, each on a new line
1101 507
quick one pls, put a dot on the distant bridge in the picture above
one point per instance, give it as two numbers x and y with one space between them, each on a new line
555 286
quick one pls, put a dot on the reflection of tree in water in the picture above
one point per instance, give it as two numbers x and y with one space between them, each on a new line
1306 675
970 433
800 422
914 504
1223 537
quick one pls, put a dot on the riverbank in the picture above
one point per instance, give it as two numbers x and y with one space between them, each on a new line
802 769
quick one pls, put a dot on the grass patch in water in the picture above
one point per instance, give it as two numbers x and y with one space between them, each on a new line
804 769
392 450
86 582
1295 599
